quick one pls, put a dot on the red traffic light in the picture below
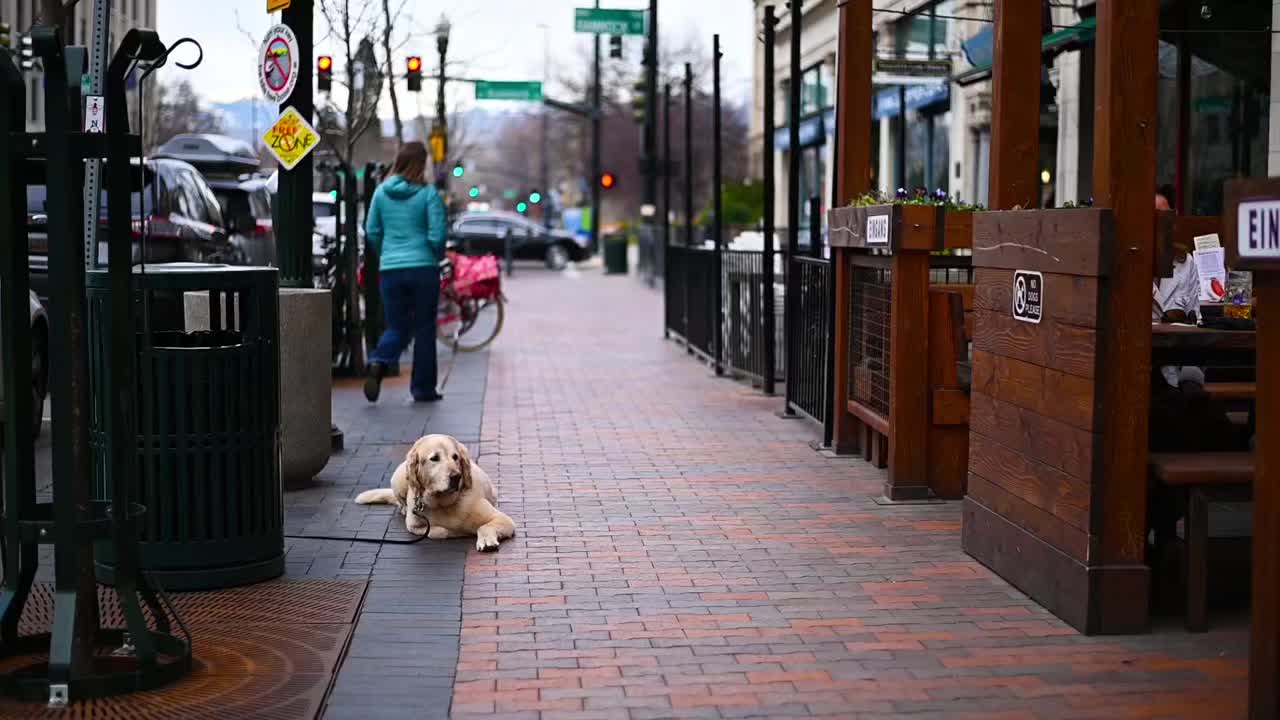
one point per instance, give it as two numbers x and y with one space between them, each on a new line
325 63
414 64
607 180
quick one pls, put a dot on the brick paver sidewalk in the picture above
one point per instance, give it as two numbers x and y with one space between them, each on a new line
683 553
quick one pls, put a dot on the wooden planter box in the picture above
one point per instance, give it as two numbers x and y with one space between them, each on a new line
1057 481
910 227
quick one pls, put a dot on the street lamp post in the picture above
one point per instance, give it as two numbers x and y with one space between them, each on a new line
442 46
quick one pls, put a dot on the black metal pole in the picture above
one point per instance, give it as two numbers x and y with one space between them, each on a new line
442 120
666 167
688 155
293 236
650 148
716 204
596 240
770 321
815 226
790 298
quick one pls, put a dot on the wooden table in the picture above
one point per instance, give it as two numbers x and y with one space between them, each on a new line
1189 345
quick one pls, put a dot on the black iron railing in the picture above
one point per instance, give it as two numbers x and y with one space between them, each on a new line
807 383
699 300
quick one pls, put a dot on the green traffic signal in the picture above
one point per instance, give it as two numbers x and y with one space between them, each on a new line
474 191
535 197
521 207
458 170
333 194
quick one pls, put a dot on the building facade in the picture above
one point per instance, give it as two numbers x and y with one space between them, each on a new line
1218 116
22 14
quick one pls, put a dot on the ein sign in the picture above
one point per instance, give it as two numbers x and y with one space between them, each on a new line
1028 296
1258 230
877 230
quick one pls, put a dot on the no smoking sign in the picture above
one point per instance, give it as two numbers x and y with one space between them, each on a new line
278 63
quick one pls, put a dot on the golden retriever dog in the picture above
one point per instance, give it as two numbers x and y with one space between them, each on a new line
443 494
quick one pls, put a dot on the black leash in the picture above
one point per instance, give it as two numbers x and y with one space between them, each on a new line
383 541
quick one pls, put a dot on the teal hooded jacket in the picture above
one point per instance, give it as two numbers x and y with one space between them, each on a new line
406 225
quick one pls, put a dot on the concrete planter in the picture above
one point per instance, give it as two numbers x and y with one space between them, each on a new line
306 389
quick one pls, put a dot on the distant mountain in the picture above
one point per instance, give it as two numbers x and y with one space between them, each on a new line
247 119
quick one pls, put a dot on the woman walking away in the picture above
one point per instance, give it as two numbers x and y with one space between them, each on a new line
406 227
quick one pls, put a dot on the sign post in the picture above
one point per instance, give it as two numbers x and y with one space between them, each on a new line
1252 230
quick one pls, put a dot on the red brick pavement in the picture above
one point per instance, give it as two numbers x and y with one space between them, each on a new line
684 553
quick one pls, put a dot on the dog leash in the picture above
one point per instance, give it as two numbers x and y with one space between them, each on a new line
383 541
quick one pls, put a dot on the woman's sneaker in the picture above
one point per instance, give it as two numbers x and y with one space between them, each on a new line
373 383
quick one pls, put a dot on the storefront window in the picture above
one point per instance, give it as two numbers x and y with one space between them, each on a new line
923 34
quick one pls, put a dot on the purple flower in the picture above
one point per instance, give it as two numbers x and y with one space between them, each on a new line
940 195
1090 202
902 194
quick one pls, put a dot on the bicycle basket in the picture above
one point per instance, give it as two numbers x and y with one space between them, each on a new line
477 277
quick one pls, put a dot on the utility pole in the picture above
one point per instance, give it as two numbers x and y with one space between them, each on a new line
595 147
293 235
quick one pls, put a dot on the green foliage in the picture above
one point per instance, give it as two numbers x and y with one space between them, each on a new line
743 204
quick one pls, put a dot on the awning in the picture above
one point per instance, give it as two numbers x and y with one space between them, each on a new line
887 103
813 131
979 49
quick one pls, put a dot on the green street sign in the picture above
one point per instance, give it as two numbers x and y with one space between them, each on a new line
504 90
601 21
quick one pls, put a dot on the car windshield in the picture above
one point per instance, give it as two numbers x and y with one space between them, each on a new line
38 198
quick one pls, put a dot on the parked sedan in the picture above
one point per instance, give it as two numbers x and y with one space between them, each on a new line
39 365
482 233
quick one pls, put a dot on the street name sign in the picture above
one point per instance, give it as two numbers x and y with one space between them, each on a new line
278 63
508 90
274 5
608 21
291 138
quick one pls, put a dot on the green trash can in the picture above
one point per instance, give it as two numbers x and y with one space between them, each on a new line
208 427
615 255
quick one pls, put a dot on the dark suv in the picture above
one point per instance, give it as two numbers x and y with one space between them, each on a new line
184 224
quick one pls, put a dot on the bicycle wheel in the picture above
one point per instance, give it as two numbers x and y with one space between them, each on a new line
475 325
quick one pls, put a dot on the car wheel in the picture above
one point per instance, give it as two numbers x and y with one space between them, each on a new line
557 257
39 378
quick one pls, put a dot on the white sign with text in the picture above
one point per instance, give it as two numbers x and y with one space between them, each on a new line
1258 230
877 229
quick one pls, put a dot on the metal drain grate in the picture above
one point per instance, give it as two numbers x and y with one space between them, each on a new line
263 651
313 602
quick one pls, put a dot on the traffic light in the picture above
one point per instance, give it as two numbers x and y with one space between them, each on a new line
639 100
615 46
607 180
535 197
458 170
414 75
474 192
324 73
28 53
5 34
521 207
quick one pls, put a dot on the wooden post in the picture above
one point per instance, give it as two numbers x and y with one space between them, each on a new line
1252 207
908 477
1124 178
852 178
1015 108
1264 637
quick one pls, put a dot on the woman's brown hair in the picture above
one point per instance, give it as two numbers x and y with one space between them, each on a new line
411 163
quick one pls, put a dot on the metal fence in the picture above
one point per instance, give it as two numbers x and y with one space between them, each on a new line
744 326
691 302
869 350
807 382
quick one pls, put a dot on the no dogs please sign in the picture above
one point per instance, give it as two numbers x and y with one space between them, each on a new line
1028 296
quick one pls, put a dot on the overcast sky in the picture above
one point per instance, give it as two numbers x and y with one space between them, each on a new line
495 39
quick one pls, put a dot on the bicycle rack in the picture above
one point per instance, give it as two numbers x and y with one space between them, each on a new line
84 658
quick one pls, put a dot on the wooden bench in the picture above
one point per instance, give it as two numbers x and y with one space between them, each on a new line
950 327
1201 478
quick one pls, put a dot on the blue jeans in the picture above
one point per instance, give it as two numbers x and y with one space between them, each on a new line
410 298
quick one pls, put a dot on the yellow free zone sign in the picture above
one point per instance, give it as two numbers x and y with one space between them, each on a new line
291 138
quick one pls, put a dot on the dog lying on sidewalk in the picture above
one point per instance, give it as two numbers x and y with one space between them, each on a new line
443 494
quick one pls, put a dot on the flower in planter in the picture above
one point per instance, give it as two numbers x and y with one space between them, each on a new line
902 194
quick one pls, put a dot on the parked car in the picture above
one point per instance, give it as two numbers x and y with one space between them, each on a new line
482 233
231 167
183 220
39 365
246 210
